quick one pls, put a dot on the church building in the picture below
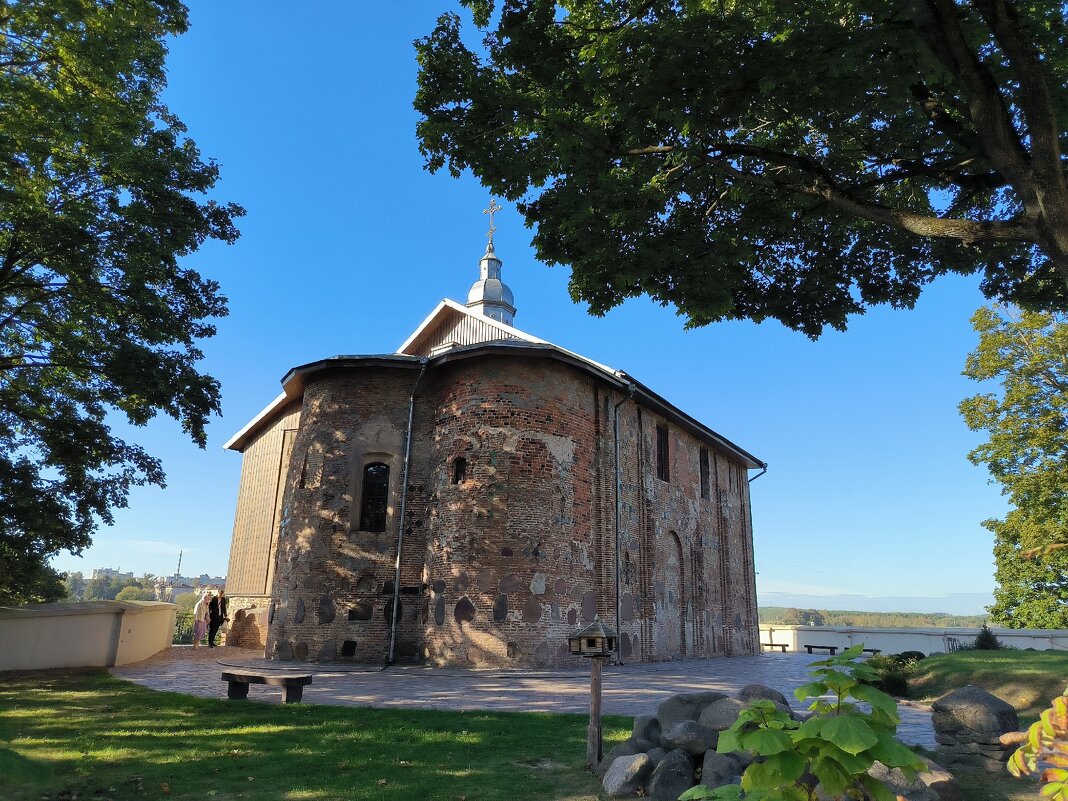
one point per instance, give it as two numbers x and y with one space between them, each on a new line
479 495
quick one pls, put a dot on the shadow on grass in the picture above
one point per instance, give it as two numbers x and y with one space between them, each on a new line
102 738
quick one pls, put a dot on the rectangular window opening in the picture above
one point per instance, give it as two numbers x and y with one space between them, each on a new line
459 470
704 472
662 470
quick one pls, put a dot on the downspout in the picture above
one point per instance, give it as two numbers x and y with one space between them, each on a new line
619 501
403 505
763 470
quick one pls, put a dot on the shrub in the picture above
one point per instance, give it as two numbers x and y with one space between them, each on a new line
890 673
827 756
910 657
986 640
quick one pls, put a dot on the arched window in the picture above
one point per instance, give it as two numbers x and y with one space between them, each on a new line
375 497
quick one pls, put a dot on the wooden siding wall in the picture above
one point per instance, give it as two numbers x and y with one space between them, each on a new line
265 459
461 329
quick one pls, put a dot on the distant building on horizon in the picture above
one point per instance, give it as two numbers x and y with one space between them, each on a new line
110 574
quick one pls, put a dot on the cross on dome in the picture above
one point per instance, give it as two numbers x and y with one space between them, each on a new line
490 295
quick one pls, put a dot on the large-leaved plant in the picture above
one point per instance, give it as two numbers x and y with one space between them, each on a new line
852 727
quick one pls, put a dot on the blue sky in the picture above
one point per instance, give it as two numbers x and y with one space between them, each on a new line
349 243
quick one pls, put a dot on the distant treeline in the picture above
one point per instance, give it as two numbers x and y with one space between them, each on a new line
790 616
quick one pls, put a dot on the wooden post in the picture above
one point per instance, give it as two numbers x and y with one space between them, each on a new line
593 736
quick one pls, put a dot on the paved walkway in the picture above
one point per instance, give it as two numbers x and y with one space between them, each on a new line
628 689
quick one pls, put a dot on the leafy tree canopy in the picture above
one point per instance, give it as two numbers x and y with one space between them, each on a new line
1027 453
800 161
99 188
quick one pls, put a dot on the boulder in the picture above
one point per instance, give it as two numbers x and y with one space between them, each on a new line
626 776
672 777
755 692
625 748
973 710
646 727
687 706
689 735
720 715
719 769
645 746
902 787
656 755
941 781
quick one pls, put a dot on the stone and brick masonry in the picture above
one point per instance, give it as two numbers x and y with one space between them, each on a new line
510 549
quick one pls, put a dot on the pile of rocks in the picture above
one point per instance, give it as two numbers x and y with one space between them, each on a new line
664 750
975 730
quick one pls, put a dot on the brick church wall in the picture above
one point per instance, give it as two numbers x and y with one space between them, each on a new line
510 551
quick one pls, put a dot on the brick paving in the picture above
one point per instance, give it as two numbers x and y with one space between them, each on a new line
628 689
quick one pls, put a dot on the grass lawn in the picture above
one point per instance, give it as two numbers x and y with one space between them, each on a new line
1028 680
89 736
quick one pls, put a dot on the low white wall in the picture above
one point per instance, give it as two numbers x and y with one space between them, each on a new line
88 634
894 641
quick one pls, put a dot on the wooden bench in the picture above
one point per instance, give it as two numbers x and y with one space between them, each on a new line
831 649
873 650
780 645
292 684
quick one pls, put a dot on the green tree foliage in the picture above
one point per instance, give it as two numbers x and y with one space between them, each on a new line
73 586
1026 423
135 593
800 161
99 189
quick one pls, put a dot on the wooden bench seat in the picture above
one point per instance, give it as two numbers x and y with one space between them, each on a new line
831 649
292 684
780 645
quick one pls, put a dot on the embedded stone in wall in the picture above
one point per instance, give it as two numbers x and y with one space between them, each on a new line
541 653
300 651
513 650
284 649
506 551
572 617
626 607
298 611
270 612
554 613
439 610
589 606
486 580
500 609
439 586
462 582
406 650
328 653
537 584
737 620
327 612
624 642
560 587
348 649
464 611
531 611
361 610
511 583
411 614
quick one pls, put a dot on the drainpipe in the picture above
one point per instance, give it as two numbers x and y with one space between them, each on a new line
615 436
403 505
763 470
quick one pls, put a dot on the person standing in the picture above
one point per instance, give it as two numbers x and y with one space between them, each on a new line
216 616
200 619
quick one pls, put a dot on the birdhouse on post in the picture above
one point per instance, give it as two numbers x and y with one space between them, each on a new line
593 641
598 643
